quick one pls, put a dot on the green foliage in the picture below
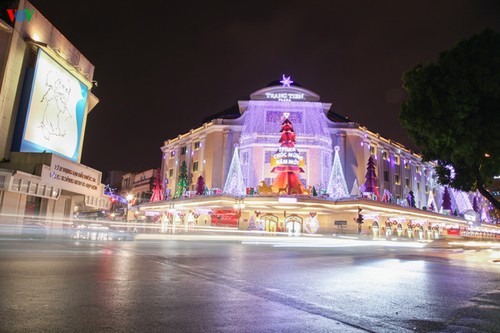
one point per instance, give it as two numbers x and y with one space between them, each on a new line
453 114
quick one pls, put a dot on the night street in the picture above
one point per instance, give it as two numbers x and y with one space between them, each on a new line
235 284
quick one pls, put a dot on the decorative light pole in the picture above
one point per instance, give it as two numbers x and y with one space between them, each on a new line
238 206
129 198
359 220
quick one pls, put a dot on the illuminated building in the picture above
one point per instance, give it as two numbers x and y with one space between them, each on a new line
45 98
332 155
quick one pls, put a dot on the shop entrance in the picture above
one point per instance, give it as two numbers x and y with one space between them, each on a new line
268 222
293 224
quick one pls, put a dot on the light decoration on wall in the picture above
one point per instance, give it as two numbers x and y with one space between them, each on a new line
310 125
311 224
461 200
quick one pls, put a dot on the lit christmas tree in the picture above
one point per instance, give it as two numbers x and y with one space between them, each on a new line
157 189
431 203
234 181
182 181
411 199
251 223
200 186
387 197
337 187
287 161
355 189
314 192
446 205
371 179
474 205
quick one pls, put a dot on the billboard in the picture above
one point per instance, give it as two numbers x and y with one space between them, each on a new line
55 112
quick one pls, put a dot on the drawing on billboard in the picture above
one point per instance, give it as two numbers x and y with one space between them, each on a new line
56 110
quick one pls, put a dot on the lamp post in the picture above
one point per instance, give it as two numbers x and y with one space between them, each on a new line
239 205
129 198
171 216
359 221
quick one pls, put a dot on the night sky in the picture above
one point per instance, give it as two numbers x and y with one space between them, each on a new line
163 66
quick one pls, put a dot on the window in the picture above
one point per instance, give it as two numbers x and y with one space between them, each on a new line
397 180
197 145
426 189
195 166
397 160
372 150
417 168
407 165
183 150
407 182
170 173
386 176
426 172
172 154
41 190
385 156
244 158
418 186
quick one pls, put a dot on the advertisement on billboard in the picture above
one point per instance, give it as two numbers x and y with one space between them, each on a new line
56 110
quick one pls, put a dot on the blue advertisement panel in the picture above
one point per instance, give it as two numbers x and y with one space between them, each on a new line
56 110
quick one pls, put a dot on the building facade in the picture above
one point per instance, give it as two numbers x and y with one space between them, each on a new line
138 185
45 98
393 187
208 150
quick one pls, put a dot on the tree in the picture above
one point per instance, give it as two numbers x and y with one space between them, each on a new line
446 205
475 207
235 184
287 161
182 181
337 187
452 113
371 178
200 186
411 199
157 189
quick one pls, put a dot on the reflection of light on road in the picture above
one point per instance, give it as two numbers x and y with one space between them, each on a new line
377 286
284 241
395 270
350 243
491 245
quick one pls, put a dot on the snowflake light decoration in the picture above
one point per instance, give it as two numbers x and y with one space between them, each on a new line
286 82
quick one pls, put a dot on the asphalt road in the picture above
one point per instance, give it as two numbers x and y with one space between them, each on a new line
201 284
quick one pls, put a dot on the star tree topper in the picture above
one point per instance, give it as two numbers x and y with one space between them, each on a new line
286 81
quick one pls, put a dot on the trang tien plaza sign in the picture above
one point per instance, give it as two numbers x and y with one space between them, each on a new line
285 97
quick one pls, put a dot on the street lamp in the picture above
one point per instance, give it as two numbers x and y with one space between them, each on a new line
129 198
239 205
171 216
359 220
